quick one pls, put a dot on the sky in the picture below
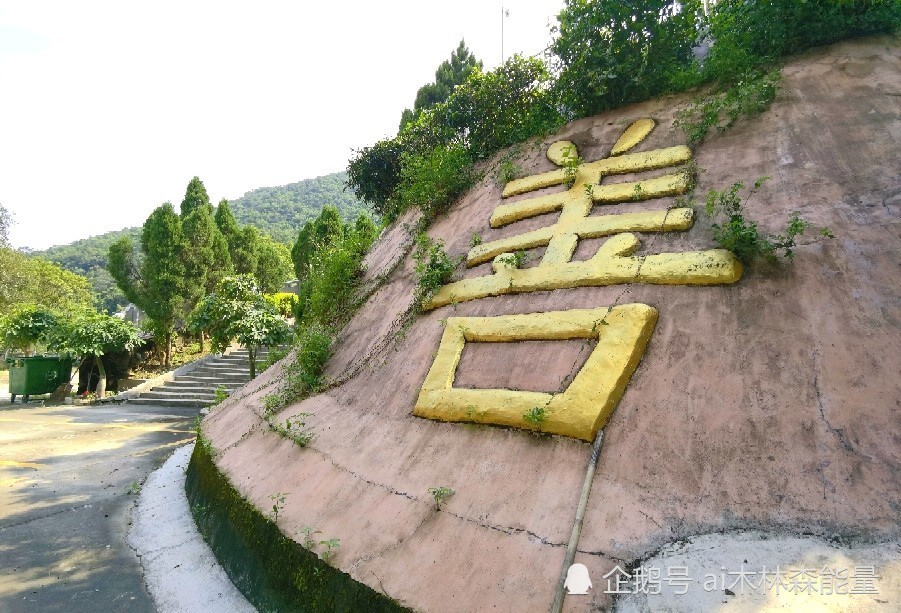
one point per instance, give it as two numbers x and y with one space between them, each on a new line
108 108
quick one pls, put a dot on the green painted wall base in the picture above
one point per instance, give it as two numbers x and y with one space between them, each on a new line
272 571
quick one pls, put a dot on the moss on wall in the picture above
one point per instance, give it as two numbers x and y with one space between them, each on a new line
274 572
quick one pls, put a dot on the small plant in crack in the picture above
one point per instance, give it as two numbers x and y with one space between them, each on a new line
571 163
637 192
536 416
308 541
134 489
278 503
331 548
475 240
440 494
294 429
516 260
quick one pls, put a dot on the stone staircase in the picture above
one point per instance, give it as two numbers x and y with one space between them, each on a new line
197 388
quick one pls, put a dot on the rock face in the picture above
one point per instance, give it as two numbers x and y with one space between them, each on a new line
771 404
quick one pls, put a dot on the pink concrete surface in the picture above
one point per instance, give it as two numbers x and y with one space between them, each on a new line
772 404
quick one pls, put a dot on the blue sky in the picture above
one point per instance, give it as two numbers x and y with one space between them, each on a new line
109 107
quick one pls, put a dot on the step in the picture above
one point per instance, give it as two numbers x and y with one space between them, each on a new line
196 389
239 364
206 372
190 385
215 379
171 402
205 397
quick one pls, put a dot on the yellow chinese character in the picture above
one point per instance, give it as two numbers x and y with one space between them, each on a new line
622 333
613 263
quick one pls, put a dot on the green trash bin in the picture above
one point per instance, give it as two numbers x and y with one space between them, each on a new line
40 374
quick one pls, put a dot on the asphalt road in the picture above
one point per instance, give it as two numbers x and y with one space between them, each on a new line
68 481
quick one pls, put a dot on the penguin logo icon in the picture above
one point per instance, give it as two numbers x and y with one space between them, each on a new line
577 579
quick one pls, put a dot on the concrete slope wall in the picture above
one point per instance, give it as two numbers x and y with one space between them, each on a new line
770 404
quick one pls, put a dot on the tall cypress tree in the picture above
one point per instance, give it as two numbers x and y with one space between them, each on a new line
163 272
195 196
206 255
244 250
273 265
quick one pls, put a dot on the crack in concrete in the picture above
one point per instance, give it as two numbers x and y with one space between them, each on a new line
509 530
838 432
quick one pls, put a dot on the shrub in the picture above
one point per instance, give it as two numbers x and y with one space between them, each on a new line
750 34
501 107
432 181
284 302
732 231
612 53
720 109
374 172
303 376
433 269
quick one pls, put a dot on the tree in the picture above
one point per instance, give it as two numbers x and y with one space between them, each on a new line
315 235
613 53
155 282
206 256
26 326
449 74
195 197
237 311
93 334
245 251
273 265
6 221
226 221
242 242
163 271
35 281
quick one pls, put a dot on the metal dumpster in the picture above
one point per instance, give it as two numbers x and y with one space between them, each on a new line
38 374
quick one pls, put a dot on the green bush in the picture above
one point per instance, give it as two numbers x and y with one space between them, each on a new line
284 302
608 54
495 109
487 112
303 376
331 287
432 181
27 326
752 34
732 231
434 268
373 173
749 96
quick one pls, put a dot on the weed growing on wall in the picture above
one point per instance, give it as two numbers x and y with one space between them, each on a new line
733 231
536 416
440 494
721 108
434 267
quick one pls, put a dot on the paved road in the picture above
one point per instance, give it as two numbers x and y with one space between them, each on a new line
68 478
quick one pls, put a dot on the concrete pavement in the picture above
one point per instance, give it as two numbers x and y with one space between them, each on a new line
69 477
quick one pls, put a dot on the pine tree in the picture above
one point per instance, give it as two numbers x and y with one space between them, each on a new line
315 235
155 283
273 266
450 74
195 196
244 251
206 256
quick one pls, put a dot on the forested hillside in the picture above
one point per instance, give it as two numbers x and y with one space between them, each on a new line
87 257
282 211
278 211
